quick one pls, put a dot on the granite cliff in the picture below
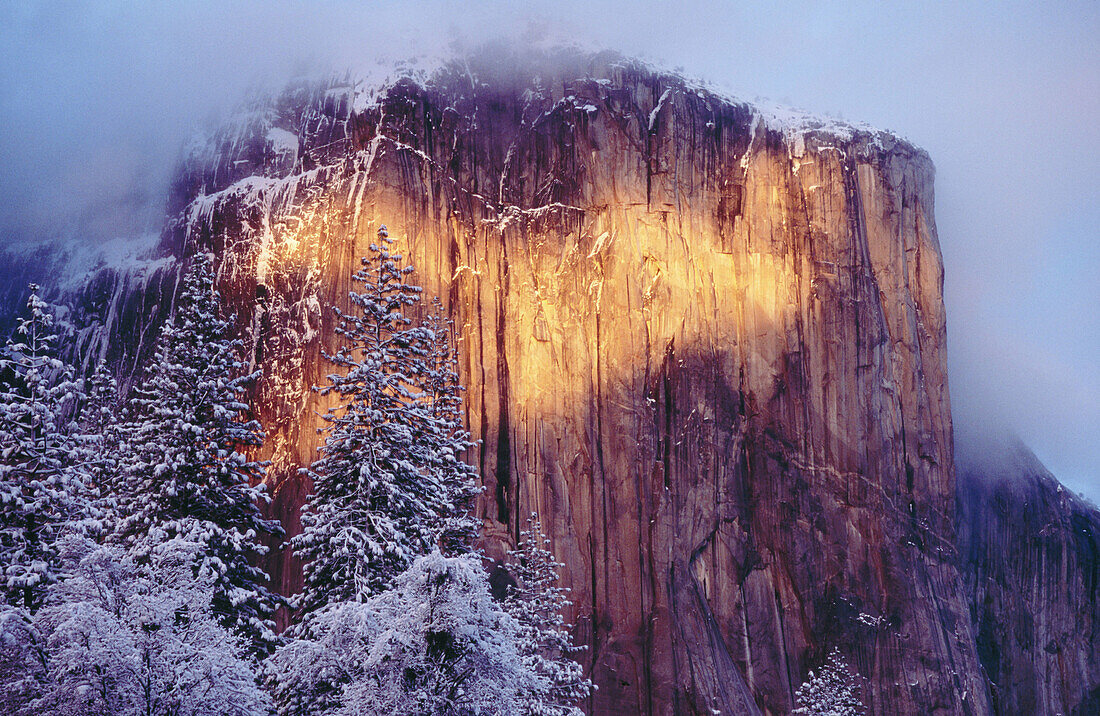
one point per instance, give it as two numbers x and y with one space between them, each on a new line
704 340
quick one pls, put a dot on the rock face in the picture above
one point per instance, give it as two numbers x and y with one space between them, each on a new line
705 345
104 311
704 341
1031 556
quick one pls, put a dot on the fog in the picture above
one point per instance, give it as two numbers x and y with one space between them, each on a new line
97 100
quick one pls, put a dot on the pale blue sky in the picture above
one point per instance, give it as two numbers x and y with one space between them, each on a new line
97 98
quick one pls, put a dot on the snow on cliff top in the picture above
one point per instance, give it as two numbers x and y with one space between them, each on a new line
362 88
792 122
372 80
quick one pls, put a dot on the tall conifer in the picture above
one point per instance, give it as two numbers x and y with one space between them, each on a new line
448 438
42 492
100 441
539 604
390 471
185 472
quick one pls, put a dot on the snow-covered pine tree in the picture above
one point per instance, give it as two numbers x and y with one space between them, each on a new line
99 414
99 438
434 644
184 470
831 691
41 491
538 605
379 495
452 441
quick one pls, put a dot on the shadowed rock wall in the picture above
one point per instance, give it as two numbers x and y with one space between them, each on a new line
1031 555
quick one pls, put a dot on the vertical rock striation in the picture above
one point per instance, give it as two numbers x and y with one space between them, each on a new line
705 341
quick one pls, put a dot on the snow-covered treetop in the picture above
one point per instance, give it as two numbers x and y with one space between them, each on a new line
123 638
832 690
435 643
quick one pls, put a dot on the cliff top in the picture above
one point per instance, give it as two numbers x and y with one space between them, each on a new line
558 72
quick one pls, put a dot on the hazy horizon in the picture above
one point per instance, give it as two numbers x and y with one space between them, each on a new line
100 98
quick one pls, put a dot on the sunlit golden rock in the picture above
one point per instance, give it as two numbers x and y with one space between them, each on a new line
706 342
